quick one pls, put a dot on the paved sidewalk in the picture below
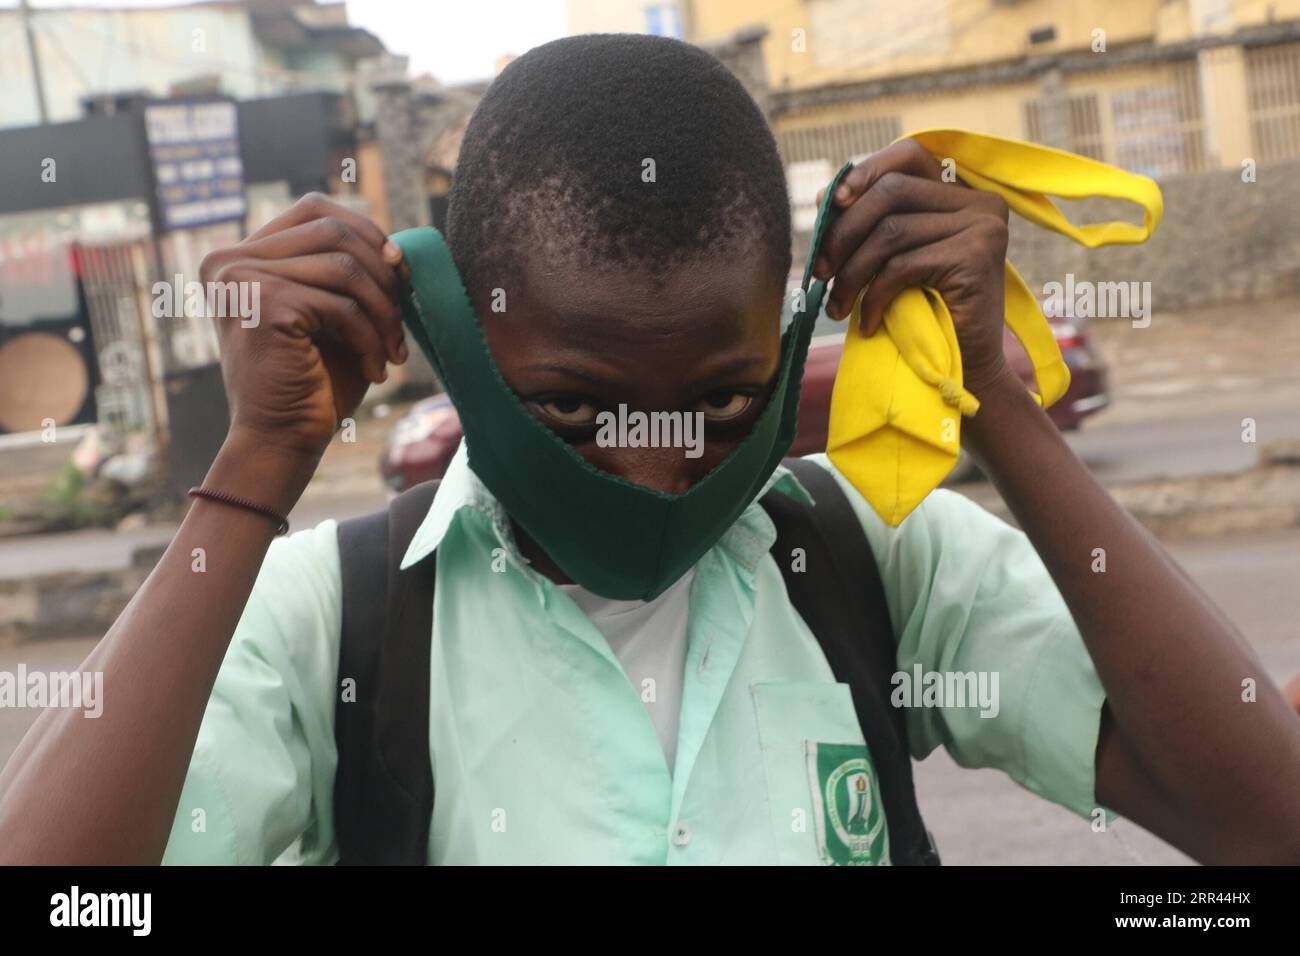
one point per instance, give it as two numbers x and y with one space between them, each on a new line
103 549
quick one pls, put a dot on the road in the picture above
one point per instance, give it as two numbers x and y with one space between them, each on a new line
1203 438
980 816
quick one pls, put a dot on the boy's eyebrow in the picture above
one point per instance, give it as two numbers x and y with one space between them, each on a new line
735 367
732 368
571 371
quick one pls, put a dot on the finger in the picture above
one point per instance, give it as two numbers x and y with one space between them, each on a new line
240 274
924 265
342 273
342 318
308 311
319 206
905 156
328 234
394 256
892 193
894 234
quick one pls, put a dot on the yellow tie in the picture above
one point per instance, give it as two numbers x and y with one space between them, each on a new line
895 423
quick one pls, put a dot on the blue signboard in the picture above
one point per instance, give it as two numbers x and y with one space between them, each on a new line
194 150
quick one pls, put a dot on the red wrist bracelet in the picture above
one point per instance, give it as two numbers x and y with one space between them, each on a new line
282 523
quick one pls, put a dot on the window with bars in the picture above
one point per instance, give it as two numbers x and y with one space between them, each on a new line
1080 131
1273 101
1157 129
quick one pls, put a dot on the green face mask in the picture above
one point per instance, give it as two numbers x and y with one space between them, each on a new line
615 538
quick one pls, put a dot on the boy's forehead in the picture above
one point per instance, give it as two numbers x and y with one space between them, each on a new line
720 295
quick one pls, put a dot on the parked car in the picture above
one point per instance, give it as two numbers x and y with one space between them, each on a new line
423 441
421 444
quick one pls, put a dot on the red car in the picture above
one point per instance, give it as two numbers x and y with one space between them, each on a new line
423 441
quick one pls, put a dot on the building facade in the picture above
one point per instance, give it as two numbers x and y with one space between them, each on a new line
1161 87
81 242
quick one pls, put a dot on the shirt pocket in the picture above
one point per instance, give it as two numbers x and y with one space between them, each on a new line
821 786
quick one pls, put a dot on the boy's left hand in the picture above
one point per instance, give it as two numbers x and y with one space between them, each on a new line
901 226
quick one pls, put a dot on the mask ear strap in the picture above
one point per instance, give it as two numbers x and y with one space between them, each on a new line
814 290
435 290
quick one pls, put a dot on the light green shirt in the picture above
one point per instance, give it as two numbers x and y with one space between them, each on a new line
542 748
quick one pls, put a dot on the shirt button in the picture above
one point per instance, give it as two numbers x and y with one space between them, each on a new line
681 834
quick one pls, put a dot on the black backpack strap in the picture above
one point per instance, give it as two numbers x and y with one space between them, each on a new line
840 597
383 788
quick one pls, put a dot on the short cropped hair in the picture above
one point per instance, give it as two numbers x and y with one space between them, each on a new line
557 157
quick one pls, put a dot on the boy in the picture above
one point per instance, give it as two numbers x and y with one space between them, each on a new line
568 726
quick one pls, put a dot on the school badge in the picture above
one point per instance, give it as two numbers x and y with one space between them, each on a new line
849 817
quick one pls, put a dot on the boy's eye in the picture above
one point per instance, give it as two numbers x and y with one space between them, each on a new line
723 405
569 410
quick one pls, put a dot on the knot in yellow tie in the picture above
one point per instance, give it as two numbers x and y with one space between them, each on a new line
953 394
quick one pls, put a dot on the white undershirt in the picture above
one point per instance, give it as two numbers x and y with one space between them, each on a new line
649 640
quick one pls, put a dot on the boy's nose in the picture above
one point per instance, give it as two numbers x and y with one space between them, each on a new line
667 470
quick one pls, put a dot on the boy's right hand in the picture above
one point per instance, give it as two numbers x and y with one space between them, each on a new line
328 322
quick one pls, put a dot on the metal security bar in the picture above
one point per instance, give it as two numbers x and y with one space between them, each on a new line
114 279
836 142
1156 128
1080 132
1273 100
1160 127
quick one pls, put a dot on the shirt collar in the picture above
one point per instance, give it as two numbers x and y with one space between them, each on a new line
461 490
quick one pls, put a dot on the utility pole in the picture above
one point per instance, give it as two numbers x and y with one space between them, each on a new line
25 12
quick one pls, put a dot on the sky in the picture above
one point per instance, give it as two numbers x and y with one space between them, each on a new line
457 40
454 40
